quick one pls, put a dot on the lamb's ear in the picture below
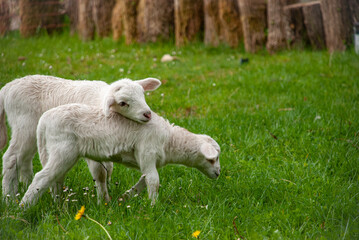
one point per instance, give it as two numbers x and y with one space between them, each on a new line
107 103
208 151
149 84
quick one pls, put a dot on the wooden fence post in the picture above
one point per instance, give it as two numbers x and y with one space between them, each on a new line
130 20
230 22
278 25
4 17
188 20
337 27
212 26
313 21
86 25
254 22
102 12
117 20
155 20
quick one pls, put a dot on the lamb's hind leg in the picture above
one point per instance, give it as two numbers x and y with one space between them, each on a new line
10 180
59 163
101 172
18 158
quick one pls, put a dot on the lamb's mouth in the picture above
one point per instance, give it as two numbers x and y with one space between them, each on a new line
144 121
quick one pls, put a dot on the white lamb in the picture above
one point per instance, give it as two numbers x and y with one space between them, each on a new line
24 100
68 132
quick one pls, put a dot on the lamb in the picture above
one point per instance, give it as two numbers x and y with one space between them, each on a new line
24 100
70 131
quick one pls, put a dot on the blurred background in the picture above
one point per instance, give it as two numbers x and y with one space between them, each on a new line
275 24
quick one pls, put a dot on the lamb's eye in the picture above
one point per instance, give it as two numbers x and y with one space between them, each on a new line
122 104
211 161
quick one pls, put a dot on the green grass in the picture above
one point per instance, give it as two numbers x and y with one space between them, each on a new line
287 125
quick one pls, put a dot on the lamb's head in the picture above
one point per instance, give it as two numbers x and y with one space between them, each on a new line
207 160
127 98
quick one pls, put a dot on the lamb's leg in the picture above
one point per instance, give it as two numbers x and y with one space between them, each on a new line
101 172
10 182
136 189
148 167
57 166
56 188
18 157
153 184
24 132
24 162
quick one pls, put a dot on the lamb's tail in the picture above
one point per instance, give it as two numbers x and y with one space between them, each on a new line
3 129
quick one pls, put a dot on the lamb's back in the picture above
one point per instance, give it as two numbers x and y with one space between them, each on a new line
39 93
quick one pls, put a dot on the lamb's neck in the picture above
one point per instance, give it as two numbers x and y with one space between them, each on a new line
181 147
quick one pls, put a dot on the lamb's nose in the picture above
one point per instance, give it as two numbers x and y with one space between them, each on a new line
218 172
147 115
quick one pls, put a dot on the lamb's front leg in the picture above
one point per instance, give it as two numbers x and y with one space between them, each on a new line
147 159
136 189
152 182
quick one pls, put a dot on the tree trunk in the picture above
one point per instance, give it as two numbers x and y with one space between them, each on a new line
188 20
313 21
29 18
86 25
254 23
14 14
230 21
154 20
117 20
354 8
4 17
337 27
296 32
102 12
72 10
212 25
129 20
277 25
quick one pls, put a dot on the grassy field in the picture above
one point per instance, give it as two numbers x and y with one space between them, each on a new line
287 124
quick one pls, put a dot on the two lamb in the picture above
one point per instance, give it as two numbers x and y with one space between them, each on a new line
67 132
24 100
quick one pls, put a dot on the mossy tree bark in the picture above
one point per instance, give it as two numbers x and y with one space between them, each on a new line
337 24
155 20
278 25
117 20
86 25
29 17
230 22
102 12
72 10
130 20
212 25
4 17
313 21
254 22
188 20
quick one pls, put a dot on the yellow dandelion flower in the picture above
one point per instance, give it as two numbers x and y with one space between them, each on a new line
196 233
80 213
